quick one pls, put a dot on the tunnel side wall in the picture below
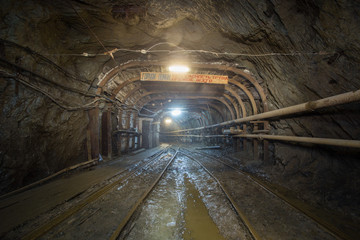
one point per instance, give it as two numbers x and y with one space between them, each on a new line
37 137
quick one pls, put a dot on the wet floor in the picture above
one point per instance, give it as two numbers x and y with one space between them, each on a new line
198 223
186 204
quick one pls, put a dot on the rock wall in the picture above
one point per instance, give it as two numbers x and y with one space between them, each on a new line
37 137
306 50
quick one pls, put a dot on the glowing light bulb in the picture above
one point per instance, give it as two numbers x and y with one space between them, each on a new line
168 121
179 69
175 112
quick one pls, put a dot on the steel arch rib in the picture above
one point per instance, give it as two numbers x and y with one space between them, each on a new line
246 76
185 97
247 92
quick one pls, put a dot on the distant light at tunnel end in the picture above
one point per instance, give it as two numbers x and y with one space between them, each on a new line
168 121
175 112
179 69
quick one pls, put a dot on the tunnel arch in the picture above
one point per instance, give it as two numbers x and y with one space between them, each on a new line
142 103
227 88
111 73
236 106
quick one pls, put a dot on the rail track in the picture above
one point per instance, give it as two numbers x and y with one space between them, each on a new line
239 212
140 200
325 225
125 222
122 175
150 173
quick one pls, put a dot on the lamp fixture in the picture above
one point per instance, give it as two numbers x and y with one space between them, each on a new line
168 121
175 112
179 69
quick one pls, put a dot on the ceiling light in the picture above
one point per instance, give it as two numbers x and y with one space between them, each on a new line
179 68
175 112
168 121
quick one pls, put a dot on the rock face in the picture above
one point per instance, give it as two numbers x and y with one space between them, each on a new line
37 137
298 50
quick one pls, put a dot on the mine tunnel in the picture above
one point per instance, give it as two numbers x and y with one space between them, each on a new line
166 119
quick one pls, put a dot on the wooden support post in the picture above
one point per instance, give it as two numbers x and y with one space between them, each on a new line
255 144
266 144
106 134
88 143
238 142
109 134
133 126
136 126
127 126
93 128
245 148
156 134
264 129
119 136
235 144
266 151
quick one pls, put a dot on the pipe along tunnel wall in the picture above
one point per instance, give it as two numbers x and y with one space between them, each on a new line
70 88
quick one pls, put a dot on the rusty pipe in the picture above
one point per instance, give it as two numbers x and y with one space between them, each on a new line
320 141
312 140
300 108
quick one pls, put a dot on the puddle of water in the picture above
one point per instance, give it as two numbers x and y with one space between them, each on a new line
161 216
198 223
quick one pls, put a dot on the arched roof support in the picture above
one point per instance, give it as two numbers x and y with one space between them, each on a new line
235 70
183 97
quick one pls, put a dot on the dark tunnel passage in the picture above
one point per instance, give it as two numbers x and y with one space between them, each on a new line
180 119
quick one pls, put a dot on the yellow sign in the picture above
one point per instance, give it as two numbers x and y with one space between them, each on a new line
194 78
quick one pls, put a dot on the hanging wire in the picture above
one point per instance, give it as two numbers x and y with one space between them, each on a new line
90 105
20 79
107 52
181 50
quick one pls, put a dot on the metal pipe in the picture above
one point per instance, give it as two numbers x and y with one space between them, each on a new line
312 140
300 108
232 130
320 141
199 136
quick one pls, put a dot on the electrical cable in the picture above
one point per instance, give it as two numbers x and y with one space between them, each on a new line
8 65
96 37
32 53
181 50
57 102
107 52
87 106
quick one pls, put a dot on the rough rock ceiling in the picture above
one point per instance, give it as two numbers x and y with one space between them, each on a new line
64 30
297 50
283 44
274 40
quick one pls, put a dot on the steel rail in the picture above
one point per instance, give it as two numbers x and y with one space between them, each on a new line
42 230
125 221
247 223
326 226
